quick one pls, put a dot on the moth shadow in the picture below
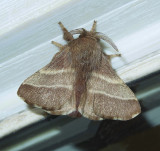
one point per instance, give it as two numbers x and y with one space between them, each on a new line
111 132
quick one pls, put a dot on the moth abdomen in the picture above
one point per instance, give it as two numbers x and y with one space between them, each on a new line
75 114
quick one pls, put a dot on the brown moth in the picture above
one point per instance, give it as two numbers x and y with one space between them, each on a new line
80 81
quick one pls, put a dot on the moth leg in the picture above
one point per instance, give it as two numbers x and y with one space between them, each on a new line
94 26
57 45
66 35
115 55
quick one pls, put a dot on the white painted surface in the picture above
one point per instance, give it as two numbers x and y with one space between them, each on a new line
17 12
27 28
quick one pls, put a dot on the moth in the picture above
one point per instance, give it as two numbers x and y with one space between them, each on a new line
79 81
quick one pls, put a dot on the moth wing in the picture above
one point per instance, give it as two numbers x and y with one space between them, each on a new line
50 88
108 97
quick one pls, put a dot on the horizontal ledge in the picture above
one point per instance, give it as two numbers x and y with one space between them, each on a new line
20 120
140 68
128 73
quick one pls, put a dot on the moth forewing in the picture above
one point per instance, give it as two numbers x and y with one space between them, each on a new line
80 81
108 97
51 87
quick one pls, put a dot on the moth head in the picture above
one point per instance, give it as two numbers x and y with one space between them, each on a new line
93 34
